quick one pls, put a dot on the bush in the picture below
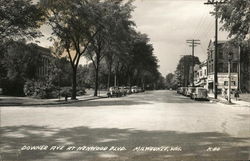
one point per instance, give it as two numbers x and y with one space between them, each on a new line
13 87
39 89
42 89
68 91
65 91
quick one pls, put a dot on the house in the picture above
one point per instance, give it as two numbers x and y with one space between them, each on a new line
200 75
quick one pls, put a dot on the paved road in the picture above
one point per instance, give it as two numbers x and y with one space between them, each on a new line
150 126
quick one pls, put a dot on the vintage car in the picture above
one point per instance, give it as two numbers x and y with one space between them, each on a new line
184 91
200 94
178 90
123 91
114 92
134 89
190 90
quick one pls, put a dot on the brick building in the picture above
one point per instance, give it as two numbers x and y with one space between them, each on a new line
222 66
244 68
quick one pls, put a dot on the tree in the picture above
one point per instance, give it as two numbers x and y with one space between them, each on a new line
74 23
141 61
235 16
183 70
20 62
19 19
171 81
115 18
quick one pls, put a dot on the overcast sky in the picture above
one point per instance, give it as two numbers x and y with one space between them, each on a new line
169 23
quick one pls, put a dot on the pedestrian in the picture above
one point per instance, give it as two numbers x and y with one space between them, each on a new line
224 92
66 97
236 95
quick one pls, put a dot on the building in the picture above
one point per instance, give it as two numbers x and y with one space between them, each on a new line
244 71
200 75
23 62
45 55
222 66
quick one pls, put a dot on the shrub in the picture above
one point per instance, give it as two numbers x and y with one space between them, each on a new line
43 89
39 89
68 91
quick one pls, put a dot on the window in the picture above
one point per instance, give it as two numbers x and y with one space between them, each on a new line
220 67
233 83
234 67
220 54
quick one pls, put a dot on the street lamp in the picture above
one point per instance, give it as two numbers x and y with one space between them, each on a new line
230 56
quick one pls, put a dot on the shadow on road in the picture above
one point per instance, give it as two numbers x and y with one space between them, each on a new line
194 145
148 97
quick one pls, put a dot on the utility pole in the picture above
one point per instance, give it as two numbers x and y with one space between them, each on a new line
229 76
193 43
215 3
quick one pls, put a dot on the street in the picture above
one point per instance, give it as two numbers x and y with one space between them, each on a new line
188 129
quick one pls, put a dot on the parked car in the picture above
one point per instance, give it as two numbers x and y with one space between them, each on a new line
190 90
140 89
123 91
127 88
200 94
178 90
134 89
114 92
184 91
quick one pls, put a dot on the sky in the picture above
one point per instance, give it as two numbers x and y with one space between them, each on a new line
168 24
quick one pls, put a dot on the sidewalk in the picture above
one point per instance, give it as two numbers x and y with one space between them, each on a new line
28 101
224 101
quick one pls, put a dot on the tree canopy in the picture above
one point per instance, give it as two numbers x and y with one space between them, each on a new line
235 16
19 19
183 70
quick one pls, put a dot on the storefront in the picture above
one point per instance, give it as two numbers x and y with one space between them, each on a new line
223 81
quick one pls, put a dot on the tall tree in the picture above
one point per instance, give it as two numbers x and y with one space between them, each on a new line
115 17
183 69
19 19
74 23
170 81
141 59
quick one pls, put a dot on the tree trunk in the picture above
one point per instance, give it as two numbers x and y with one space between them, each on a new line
96 78
115 80
109 75
73 95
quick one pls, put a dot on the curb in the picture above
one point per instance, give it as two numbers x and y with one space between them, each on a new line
225 102
51 103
